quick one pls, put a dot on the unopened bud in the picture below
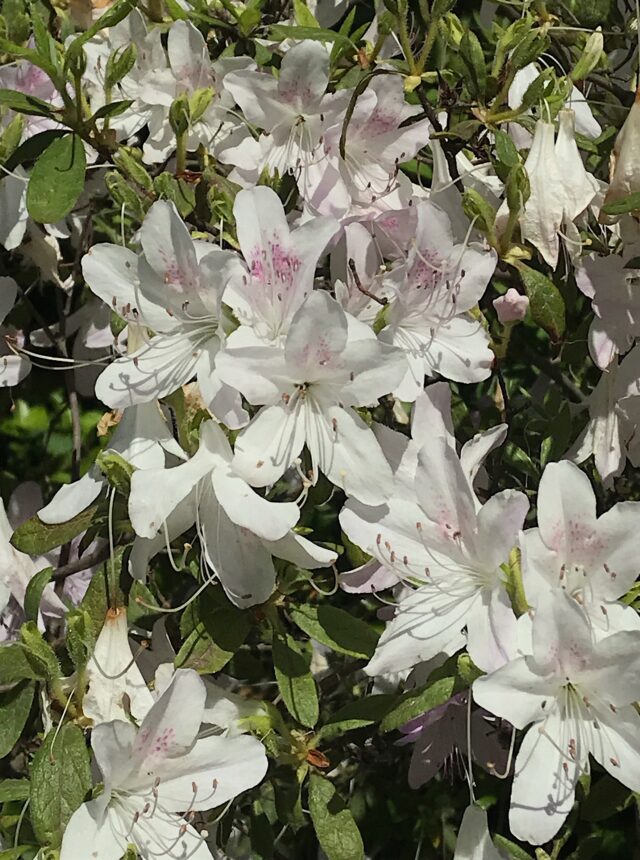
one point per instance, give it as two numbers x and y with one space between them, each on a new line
512 307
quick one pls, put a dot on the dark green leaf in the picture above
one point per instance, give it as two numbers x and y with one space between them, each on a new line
116 470
545 301
33 595
57 180
31 148
606 797
60 779
357 715
14 789
35 537
416 702
23 103
214 641
295 681
14 665
15 705
281 31
112 109
473 58
336 628
333 822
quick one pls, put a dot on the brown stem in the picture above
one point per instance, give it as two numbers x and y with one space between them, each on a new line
356 277
81 564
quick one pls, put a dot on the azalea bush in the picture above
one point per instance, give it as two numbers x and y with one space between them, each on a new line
320 404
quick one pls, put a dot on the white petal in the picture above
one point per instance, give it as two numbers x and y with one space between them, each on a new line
154 371
516 692
73 498
615 743
545 778
566 508
245 508
90 835
347 452
301 552
241 560
426 623
266 448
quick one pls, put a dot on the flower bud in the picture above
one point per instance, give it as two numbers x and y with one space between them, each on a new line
512 307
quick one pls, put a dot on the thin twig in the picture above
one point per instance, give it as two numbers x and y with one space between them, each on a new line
356 277
81 564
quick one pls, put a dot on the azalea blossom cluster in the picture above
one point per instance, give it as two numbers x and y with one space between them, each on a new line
358 339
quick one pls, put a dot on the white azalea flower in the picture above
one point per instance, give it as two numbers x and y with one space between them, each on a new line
429 318
154 773
450 548
174 287
474 841
594 559
577 693
281 263
308 389
293 109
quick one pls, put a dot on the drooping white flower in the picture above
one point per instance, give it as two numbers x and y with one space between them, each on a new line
614 291
577 693
113 674
240 531
429 317
328 366
474 840
625 160
594 559
614 417
173 287
156 776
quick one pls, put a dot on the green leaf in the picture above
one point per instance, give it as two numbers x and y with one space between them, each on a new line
15 705
33 594
40 655
31 148
333 822
506 149
545 301
60 780
14 665
35 537
416 702
304 17
214 640
478 209
336 628
81 637
473 58
116 470
14 789
177 191
57 180
119 64
529 49
357 715
112 109
279 32
295 681
513 851
538 90
23 103
631 203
